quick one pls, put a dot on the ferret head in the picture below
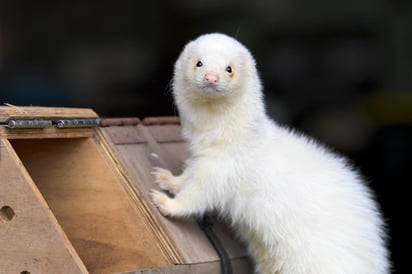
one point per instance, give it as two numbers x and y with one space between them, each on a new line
213 65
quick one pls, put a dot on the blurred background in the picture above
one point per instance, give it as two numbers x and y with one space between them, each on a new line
340 71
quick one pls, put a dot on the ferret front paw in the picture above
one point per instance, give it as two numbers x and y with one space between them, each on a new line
161 201
165 179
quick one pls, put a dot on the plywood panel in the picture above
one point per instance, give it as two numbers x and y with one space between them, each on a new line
239 266
10 111
82 190
31 241
51 132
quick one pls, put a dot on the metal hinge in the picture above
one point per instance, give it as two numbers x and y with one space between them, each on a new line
45 123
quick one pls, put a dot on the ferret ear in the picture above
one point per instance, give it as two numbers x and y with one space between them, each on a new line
183 56
188 48
247 58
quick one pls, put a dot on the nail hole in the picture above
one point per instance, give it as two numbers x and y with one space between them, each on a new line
25 272
6 214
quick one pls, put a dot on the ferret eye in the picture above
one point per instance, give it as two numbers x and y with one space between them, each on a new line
229 69
199 64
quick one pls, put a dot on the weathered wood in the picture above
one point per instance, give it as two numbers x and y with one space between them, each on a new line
121 135
166 133
106 229
161 120
109 122
31 240
42 133
239 266
7 112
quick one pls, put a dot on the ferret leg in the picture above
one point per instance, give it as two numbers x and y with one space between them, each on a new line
166 181
166 205
183 204
189 201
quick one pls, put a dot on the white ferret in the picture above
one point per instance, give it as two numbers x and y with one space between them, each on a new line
300 208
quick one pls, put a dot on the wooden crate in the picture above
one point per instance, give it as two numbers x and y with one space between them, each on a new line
75 199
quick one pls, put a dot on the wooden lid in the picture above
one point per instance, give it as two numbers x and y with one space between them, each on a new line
10 111
44 122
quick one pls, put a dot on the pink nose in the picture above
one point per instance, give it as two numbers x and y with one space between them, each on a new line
211 78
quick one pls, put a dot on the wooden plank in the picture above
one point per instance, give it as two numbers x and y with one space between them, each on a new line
22 112
235 248
161 120
239 266
88 200
41 133
31 240
121 135
166 133
109 122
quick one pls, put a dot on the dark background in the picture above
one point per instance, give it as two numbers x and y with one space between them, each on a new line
340 71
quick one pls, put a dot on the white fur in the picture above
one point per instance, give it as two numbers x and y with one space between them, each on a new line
300 208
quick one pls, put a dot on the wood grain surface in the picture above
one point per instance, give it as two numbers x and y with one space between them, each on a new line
89 202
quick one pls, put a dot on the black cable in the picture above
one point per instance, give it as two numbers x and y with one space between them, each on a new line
206 224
